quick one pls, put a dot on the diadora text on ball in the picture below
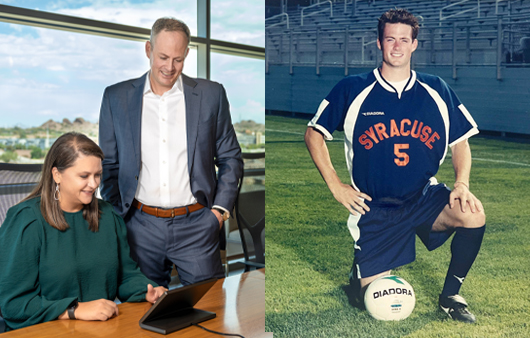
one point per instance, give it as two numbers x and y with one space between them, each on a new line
393 291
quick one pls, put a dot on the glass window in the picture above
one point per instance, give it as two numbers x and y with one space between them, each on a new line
52 81
244 81
238 21
139 13
48 74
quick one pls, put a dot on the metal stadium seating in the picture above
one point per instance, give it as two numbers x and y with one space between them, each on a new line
481 48
346 36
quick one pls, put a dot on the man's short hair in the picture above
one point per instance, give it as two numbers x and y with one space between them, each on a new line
171 25
398 15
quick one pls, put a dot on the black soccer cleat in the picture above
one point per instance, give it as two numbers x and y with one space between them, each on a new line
456 307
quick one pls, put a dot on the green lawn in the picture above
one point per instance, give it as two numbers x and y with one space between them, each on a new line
310 251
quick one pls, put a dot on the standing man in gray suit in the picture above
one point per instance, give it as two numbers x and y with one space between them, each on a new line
163 134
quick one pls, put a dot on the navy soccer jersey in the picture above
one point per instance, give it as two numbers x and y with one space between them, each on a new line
394 142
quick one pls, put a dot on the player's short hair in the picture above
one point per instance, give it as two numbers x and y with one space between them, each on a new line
169 24
398 15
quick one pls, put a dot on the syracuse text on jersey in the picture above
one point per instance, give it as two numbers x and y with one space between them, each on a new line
378 132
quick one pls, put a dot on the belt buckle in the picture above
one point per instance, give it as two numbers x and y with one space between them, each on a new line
172 213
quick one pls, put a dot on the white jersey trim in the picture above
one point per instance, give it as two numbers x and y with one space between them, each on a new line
382 82
313 123
471 132
327 135
442 107
349 126
353 226
412 80
387 85
467 115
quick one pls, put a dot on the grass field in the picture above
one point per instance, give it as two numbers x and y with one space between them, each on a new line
310 251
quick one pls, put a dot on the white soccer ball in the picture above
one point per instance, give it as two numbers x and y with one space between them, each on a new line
389 298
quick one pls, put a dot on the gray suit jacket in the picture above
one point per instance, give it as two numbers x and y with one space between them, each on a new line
211 142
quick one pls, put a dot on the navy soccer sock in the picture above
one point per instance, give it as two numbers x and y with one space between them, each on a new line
464 249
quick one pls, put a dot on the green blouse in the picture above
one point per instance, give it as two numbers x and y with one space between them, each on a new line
43 270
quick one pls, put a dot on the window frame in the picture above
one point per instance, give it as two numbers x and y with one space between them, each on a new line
202 42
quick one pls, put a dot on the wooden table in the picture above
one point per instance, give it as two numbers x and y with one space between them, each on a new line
238 301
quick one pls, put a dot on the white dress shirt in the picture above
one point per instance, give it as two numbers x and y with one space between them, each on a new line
164 179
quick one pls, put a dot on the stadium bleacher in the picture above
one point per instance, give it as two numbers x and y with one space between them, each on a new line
480 47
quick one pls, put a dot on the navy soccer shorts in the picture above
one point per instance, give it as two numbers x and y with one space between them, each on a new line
386 235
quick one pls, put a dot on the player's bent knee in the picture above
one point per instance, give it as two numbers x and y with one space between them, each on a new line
478 220
471 220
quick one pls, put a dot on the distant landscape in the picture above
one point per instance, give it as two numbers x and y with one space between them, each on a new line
30 145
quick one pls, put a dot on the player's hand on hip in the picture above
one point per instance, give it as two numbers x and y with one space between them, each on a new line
461 195
153 293
352 199
100 309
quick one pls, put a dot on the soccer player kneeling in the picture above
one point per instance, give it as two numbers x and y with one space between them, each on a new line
398 125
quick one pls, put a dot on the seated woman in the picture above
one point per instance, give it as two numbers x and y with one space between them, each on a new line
64 253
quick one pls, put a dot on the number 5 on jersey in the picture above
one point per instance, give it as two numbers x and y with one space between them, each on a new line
402 157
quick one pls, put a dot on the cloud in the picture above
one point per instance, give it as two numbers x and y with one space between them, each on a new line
251 110
32 103
239 21
56 68
141 15
65 73
244 81
62 72
48 112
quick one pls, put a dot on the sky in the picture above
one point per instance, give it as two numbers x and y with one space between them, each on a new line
52 74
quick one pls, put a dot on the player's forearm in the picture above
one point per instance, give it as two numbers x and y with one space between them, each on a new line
462 162
319 153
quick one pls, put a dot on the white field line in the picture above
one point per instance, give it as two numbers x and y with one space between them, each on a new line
284 131
474 158
500 161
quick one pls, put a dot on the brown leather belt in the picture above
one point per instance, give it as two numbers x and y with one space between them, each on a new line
166 213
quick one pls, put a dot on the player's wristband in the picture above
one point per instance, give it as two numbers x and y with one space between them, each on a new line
467 186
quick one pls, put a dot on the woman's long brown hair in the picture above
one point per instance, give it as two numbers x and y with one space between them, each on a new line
62 155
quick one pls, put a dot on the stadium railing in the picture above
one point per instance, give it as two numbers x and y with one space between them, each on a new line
345 40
